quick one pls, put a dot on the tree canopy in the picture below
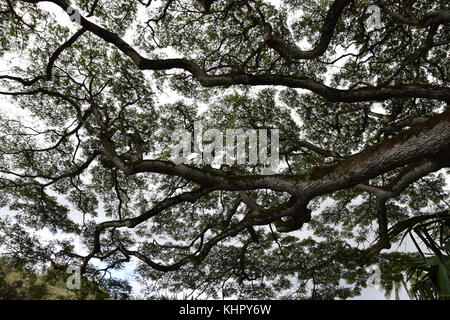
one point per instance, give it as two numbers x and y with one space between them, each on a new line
17 282
95 89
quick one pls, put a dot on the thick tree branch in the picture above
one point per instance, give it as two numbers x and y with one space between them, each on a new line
329 25
206 80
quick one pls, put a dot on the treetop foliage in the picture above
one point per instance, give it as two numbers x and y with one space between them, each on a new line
85 140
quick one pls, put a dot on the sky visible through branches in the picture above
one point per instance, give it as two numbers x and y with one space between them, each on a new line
371 147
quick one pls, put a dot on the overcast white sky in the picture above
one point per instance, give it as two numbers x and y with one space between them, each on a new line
6 64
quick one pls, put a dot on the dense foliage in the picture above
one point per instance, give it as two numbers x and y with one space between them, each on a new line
19 282
88 111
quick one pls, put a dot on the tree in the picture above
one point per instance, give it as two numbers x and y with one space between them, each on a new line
364 139
18 282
